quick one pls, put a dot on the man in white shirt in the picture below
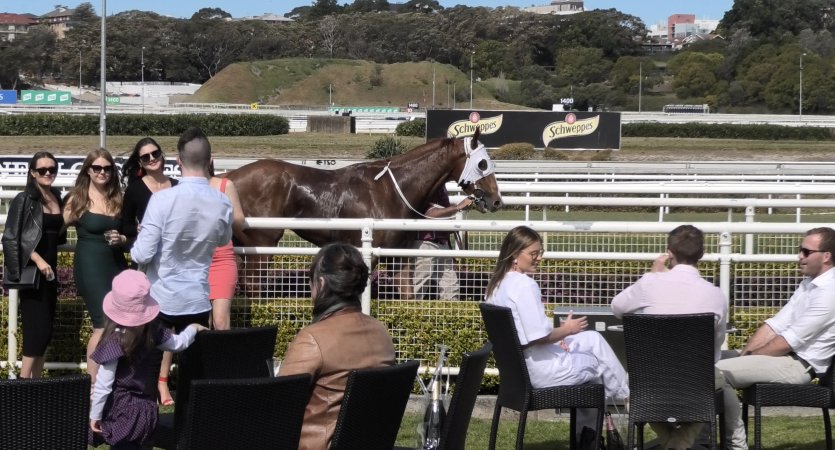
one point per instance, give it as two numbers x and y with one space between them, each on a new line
799 340
674 286
180 231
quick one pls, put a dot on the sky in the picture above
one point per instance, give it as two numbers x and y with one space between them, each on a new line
650 11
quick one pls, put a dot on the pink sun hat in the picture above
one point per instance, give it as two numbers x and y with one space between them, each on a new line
130 303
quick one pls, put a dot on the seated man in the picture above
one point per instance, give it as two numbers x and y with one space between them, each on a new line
799 340
674 286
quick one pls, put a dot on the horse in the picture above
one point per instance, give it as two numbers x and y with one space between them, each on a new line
394 188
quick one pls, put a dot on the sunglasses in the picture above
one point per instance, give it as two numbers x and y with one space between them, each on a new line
98 169
42 171
537 253
807 251
148 157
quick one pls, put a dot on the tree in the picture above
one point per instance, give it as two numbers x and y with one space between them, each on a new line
323 8
582 65
84 13
626 70
773 19
211 14
327 30
367 6
694 73
421 6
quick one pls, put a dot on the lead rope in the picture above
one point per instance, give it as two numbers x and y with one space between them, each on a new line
403 197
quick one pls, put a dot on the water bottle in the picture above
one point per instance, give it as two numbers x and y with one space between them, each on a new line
434 419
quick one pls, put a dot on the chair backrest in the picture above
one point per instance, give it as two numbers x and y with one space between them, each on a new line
827 380
515 382
222 355
671 366
45 413
373 406
246 413
467 385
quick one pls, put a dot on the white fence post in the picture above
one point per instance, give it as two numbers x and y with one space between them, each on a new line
725 241
367 237
749 238
12 336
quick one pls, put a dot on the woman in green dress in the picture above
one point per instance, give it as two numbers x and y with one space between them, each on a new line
93 207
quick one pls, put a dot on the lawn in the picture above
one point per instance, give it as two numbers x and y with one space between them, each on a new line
355 146
784 433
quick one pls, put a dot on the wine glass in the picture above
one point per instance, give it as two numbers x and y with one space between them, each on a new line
273 366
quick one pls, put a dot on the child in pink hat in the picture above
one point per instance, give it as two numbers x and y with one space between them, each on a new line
123 412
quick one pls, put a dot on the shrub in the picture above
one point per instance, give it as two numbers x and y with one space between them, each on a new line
416 127
386 147
143 125
514 151
726 131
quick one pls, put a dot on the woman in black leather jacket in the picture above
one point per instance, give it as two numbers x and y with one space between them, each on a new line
34 230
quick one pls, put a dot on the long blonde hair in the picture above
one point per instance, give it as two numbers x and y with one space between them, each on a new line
517 240
78 200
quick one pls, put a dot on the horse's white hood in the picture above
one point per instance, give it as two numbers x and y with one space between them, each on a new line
472 172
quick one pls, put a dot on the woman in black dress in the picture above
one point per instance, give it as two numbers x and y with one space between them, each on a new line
144 174
34 229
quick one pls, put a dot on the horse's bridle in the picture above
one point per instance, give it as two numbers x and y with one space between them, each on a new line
474 165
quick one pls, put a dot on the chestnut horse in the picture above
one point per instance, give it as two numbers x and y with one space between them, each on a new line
395 188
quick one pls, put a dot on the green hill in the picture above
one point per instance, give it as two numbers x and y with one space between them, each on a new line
312 81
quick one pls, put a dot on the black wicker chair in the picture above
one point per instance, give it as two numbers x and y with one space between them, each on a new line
515 390
217 355
373 406
45 413
246 413
462 403
671 372
820 396
467 385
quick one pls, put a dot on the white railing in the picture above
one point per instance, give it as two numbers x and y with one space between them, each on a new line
367 227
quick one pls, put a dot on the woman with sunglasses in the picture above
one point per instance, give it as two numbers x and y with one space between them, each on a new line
93 207
563 356
144 174
34 230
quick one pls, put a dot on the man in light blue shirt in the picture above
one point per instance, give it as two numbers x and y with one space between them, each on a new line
179 233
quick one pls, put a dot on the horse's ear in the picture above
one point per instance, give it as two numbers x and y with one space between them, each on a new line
476 135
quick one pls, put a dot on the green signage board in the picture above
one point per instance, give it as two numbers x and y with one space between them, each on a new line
113 100
45 97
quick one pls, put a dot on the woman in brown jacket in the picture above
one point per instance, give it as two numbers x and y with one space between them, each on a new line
340 339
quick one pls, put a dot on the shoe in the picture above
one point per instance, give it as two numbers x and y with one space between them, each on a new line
164 401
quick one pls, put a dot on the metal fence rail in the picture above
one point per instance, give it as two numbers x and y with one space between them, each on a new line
586 264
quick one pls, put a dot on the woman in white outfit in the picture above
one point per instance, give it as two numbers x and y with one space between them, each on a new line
566 355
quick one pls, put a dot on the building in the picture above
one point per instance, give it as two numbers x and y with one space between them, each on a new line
558 7
13 25
678 24
58 20
269 18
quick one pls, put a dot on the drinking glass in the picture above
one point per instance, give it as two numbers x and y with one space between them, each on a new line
273 366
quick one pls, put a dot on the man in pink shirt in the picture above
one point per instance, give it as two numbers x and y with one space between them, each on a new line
674 286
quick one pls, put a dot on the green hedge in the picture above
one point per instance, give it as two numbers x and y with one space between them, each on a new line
142 125
416 328
415 127
727 131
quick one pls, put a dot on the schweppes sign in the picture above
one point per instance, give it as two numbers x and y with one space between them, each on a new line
463 128
570 127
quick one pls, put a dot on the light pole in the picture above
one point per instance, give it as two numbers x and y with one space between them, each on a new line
79 70
800 95
103 80
142 60
640 82
471 78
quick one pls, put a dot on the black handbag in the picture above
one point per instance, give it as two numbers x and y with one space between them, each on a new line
30 278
